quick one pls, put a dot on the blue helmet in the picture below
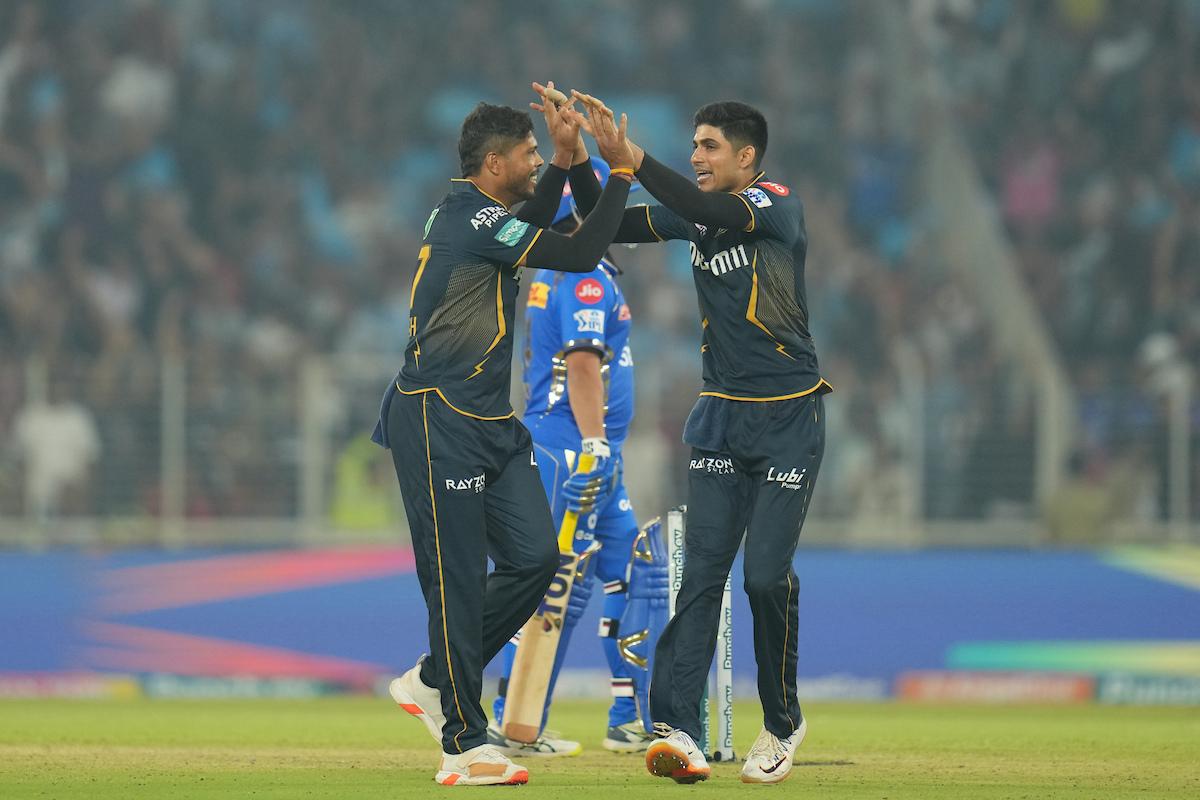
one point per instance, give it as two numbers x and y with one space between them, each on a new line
567 205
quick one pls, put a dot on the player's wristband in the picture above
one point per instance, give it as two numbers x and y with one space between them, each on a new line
596 446
623 172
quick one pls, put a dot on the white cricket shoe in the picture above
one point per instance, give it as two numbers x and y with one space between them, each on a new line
546 746
480 766
628 738
423 702
676 756
770 759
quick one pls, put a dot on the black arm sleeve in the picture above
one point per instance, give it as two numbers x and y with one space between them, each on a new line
539 210
635 226
714 209
582 250
584 187
586 191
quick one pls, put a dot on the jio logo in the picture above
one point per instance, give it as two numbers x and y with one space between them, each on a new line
589 291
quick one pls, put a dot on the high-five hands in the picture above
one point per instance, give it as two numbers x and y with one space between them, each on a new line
597 109
610 137
563 124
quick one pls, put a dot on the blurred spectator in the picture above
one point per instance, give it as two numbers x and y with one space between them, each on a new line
58 443
235 187
1080 512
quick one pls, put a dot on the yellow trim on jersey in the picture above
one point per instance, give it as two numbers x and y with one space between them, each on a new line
437 543
450 405
481 191
422 259
501 328
724 396
753 305
756 179
536 236
749 208
749 228
651 224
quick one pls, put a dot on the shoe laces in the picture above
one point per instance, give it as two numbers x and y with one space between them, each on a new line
769 745
489 753
663 729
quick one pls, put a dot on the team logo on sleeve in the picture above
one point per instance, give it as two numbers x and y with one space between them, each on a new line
511 232
758 197
777 188
539 293
590 320
590 291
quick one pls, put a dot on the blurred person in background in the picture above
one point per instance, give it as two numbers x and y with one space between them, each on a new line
466 466
58 442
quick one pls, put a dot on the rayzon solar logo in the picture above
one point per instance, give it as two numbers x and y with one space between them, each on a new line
476 483
717 466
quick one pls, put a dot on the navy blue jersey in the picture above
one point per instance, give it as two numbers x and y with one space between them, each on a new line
462 303
572 311
750 284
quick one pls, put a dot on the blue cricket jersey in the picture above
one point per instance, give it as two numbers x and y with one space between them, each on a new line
566 312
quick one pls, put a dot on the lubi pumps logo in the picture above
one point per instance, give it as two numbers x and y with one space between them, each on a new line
788 480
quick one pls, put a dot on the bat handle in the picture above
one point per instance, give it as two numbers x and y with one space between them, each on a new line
566 531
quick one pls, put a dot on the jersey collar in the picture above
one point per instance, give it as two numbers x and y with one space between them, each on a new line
757 178
467 185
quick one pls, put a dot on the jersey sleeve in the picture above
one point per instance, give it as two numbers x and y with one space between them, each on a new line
666 224
582 301
775 212
493 234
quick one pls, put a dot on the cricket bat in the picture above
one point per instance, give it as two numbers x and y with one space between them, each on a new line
534 661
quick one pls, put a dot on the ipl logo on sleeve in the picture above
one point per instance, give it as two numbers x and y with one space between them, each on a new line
758 197
590 320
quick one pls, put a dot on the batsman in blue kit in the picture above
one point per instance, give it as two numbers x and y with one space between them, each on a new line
578 375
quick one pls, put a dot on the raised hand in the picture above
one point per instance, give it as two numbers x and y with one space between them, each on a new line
562 122
610 137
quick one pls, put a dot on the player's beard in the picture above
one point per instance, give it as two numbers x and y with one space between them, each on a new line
521 187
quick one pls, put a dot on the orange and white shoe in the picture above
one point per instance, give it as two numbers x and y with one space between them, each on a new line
480 766
423 702
770 758
677 757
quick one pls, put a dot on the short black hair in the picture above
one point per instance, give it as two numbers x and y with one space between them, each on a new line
487 129
739 123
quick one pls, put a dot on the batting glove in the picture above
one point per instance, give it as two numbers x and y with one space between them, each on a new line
584 491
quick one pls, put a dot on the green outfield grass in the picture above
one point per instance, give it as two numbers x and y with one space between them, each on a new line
366 748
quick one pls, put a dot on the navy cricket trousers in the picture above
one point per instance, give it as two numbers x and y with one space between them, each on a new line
471 490
759 482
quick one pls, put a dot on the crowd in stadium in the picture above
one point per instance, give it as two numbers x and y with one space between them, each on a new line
1085 120
236 185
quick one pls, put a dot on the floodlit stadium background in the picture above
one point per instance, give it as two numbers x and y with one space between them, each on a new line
209 215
